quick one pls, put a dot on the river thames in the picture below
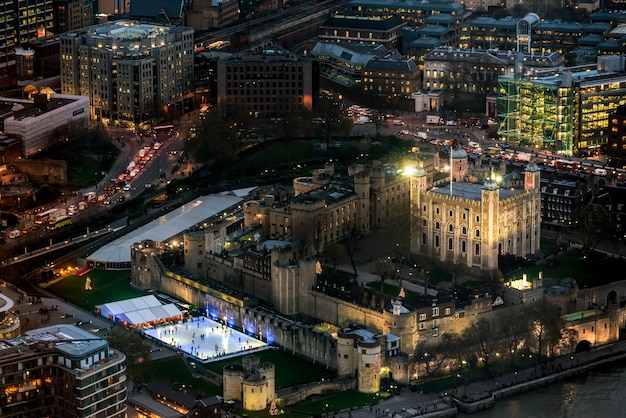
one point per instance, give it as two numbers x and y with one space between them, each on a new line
599 394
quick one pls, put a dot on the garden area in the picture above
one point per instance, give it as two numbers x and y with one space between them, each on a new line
107 286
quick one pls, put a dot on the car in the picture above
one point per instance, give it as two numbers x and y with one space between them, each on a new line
126 187
403 132
451 123
148 185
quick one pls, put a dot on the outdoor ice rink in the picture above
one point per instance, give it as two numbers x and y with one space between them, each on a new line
205 340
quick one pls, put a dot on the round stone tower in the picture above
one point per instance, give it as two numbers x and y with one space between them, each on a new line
254 394
232 379
370 361
346 355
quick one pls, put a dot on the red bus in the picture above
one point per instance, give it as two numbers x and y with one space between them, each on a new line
163 129
566 165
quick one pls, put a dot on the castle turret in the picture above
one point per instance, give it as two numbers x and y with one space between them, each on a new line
346 357
487 226
459 163
370 362
362 189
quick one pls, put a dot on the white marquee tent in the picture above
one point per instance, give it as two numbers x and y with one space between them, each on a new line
140 311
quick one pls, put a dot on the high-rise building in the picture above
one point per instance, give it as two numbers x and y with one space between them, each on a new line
131 71
563 110
72 15
22 21
61 371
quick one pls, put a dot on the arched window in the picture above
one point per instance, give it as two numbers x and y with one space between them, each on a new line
463 249
464 230
451 228
477 249
450 243
437 241
478 233
437 226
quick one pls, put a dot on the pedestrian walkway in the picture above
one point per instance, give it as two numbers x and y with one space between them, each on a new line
488 391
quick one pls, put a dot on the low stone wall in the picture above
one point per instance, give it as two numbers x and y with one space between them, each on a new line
294 395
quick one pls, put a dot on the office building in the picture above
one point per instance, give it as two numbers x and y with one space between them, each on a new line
562 110
131 72
36 122
267 82
477 70
616 144
22 21
72 15
61 371
359 29
391 77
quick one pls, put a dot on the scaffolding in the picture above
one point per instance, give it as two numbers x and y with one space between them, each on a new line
536 112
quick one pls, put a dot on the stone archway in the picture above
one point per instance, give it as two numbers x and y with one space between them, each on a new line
611 298
583 346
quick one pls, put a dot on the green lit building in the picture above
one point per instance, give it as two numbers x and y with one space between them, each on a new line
563 110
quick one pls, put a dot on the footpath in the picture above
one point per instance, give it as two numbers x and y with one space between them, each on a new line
484 394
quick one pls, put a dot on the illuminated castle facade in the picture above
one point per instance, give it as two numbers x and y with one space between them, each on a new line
471 223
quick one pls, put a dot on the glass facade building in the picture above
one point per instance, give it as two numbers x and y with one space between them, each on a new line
566 110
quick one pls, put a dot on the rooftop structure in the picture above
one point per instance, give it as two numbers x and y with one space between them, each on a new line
62 370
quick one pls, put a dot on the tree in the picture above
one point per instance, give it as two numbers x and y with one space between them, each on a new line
385 270
482 340
215 141
293 123
336 253
433 356
513 328
308 233
351 247
131 344
331 119
547 327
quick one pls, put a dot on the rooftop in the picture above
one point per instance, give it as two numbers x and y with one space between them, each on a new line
69 339
472 191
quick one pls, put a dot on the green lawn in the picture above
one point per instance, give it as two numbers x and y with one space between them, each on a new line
108 286
290 370
596 271
173 370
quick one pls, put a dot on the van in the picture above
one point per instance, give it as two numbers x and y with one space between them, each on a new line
15 233
422 135
82 205
599 171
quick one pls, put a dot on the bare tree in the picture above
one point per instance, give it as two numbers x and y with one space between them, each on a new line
385 270
432 356
482 340
513 328
331 118
336 253
351 246
547 327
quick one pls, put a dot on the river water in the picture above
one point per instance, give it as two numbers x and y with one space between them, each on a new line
599 394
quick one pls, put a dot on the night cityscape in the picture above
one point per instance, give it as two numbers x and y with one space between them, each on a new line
346 209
